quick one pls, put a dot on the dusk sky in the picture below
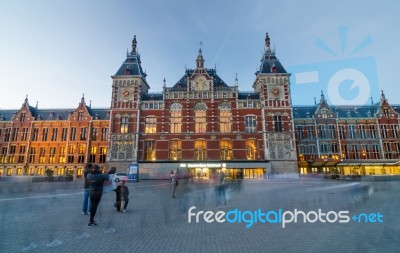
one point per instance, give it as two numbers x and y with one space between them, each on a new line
55 51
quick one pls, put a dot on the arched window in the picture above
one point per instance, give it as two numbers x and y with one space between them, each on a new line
175 150
200 150
150 125
225 147
251 150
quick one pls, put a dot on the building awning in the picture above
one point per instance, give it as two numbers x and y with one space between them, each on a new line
363 162
324 162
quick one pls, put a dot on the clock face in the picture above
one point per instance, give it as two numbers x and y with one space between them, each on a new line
200 84
126 93
275 92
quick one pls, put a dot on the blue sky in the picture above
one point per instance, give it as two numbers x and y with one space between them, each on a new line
55 51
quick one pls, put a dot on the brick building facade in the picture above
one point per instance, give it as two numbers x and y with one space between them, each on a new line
200 125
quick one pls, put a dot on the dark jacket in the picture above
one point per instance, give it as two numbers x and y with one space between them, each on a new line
96 181
118 191
85 174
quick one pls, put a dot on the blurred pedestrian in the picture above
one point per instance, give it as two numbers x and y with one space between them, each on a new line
174 181
221 189
96 182
122 197
86 201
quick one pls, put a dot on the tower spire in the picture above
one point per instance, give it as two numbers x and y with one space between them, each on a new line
267 42
134 44
200 60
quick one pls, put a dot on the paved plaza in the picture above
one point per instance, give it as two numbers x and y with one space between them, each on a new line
46 217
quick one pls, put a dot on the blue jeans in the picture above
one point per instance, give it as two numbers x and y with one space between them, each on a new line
86 201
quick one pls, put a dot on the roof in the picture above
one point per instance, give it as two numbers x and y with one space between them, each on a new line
131 66
249 95
218 83
55 114
270 64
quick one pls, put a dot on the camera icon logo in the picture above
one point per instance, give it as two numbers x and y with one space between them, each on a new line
349 81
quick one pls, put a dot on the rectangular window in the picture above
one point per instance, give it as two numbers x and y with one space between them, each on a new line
62 155
73 134
44 134
81 153
372 131
200 150
124 125
200 122
104 132
225 121
32 155
299 133
71 153
3 155
7 134
22 117
322 131
310 132
64 134
52 155
342 134
54 134
149 150
278 123
92 155
176 121
14 136
175 150
250 124
363 134
42 155
80 116
83 133
95 132
150 125
24 136
103 154
352 132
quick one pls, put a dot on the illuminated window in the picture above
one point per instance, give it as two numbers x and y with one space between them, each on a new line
225 118
61 156
81 153
150 125
176 118
42 153
251 150
175 150
200 150
225 150
200 122
200 118
124 125
52 155
149 150
92 155
103 154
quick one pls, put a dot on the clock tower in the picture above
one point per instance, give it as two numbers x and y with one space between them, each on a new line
273 84
128 86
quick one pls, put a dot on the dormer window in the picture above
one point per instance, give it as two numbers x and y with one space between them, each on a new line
386 112
127 71
273 68
22 117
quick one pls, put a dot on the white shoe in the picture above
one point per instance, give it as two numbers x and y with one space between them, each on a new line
124 211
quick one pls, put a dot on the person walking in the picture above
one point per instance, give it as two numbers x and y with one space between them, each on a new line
86 202
122 197
174 181
96 182
221 191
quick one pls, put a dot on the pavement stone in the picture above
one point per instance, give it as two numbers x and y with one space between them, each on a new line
50 219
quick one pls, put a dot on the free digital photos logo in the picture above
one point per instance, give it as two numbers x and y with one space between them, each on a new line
347 81
249 218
